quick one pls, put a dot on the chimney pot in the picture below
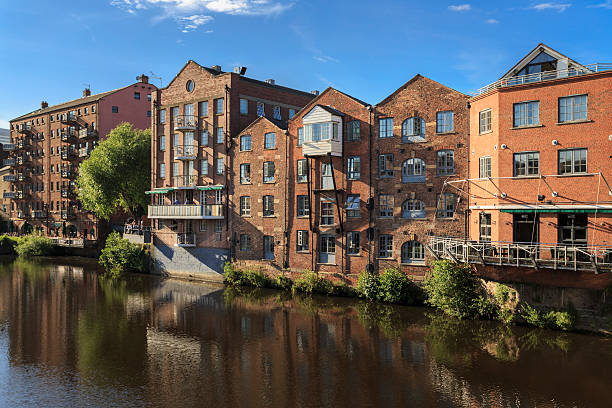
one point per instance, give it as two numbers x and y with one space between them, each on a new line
44 105
216 67
270 81
86 92
315 92
144 79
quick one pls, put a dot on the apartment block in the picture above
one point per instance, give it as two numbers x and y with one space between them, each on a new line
196 124
47 146
540 167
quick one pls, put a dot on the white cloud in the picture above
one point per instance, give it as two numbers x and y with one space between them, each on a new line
460 7
191 14
560 7
492 21
4 124
606 4
325 58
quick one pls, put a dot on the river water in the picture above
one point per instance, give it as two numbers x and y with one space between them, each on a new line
69 337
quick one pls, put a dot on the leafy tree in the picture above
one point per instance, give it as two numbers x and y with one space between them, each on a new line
117 173
120 255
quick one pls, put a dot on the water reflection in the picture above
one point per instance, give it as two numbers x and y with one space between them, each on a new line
69 337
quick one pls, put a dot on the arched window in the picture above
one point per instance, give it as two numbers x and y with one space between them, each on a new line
413 171
413 209
413 252
413 130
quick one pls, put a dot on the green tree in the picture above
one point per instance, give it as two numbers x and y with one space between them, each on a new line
117 173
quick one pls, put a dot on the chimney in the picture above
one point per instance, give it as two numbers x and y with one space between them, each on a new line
270 81
216 68
44 105
86 92
143 79
315 92
240 70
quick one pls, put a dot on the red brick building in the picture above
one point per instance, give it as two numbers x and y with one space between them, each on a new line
46 148
195 157
540 165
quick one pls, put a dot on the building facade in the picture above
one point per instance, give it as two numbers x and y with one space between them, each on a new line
46 148
197 119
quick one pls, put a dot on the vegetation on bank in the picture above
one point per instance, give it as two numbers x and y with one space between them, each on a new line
120 256
28 245
449 287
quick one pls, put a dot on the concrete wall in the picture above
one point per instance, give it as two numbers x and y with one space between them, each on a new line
196 263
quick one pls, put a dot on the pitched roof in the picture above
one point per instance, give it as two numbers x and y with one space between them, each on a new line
533 53
410 81
330 110
328 89
74 102
281 124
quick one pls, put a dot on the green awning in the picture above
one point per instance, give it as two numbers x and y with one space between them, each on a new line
55 225
558 210
159 191
207 188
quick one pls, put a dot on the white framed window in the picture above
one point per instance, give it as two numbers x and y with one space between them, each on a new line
445 162
162 170
270 140
353 202
162 143
385 246
220 165
245 143
268 205
302 171
445 122
203 108
204 167
219 134
204 137
526 114
268 172
303 206
300 136
385 128
245 173
413 130
302 243
573 108
385 205
352 242
484 170
484 121
327 212
219 106
413 209
413 252
327 249
413 171
385 165
353 168
572 161
245 206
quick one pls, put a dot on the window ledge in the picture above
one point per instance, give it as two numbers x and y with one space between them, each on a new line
417 263
328 264
415 219
539 125
445 175
572 122
575 175
487 132
445 218
355 255
269 216
385 259
527 177
245 184
446 133
246 216
245 151
302 216
270 148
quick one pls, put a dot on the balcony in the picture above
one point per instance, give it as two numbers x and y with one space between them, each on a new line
9 177
187 123
185 239
24 128
84 151
185 181
67 174
322 133
69 118
23 176
199 212
65 137
185 152
21 143
67 193
545 76
21 194
8 147
8 162
68 155
87 132
9 194
553 256
21 215
39 214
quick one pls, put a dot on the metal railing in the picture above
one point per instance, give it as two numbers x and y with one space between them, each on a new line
68 118
67 173
545 76
9 194
39 214
185 181
8 147
70 242
66 215
68 154
87 132
213 211
186 239
23 176
9 177
25 128
185 122
556 256
84 151
8 162
185 151
22 143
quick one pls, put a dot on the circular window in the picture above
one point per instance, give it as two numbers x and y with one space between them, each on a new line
190 85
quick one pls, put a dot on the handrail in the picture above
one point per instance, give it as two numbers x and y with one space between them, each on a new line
185 121
536 255
185 150
544 76
186 210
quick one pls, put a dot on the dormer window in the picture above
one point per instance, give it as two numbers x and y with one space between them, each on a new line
541 63
321 131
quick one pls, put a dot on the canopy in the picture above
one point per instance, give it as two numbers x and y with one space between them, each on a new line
558 210
207 188
159 191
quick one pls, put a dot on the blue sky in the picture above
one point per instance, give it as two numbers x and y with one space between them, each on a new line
50 50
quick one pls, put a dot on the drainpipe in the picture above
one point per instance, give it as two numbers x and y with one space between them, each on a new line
370 108
466 227
285 221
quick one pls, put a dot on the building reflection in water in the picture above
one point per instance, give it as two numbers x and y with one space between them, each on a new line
147 341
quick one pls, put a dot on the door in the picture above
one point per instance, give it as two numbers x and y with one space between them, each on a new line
327 249
327 182
268 247
526 228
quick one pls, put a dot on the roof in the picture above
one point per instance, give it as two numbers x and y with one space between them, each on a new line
330 109
74 102
532 54
329 89
215 72
413 79
281 124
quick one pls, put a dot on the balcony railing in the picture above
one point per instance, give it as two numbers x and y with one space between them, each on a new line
185 181
185 152
67 174
23 143
556 256
545 76
185 239
87 132
66 193
23 176
25 128
185 122
39 214
66 215
9 194
8 162
68 118
21 194
84 151
9 177
21 215
8 147
206 211
68 154
65 136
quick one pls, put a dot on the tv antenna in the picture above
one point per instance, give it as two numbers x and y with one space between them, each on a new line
156 77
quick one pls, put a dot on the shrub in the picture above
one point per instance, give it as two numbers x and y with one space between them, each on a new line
311 283
256 278
395 287
120 255
8 244
34 245
368 285
563 320
343 289
233 276
284 283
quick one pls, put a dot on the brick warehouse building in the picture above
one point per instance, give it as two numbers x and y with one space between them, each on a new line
540 155
194 158
349 200
46 148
